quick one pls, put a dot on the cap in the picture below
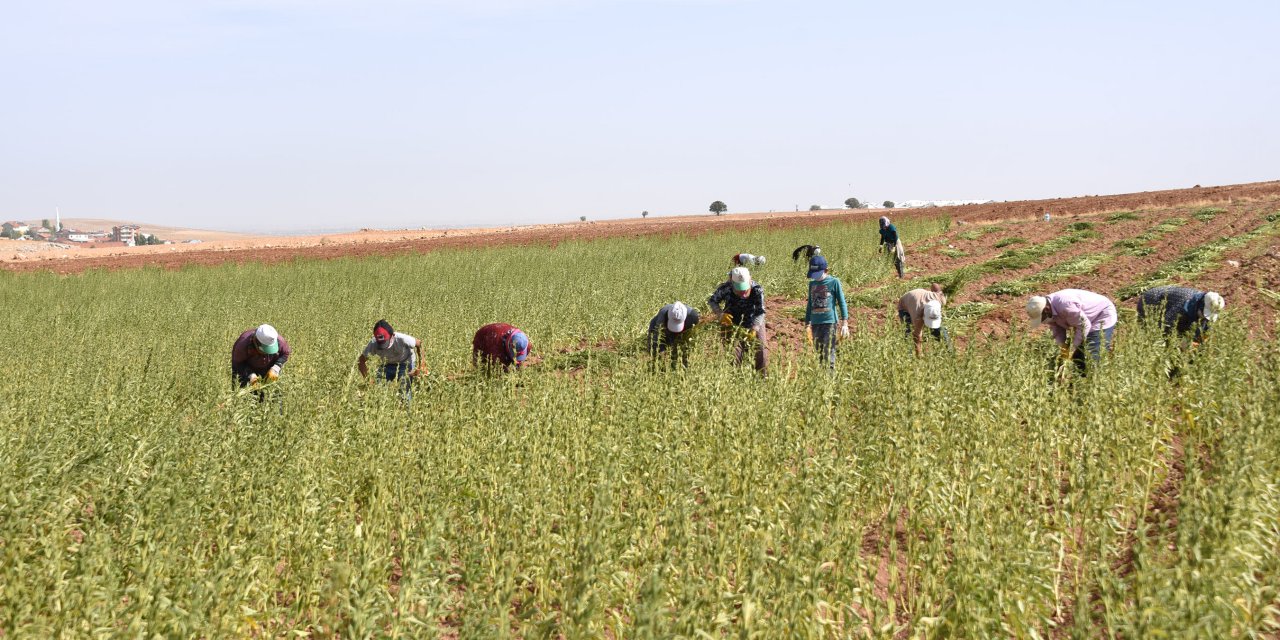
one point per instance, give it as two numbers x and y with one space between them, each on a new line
741 278
676 315
933 314
519 346
1035 309
267 338
817 265
1213 305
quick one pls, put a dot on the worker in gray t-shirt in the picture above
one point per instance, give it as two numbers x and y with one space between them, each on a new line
400 354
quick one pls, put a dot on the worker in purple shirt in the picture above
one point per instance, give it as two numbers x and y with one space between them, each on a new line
1091 317
257 354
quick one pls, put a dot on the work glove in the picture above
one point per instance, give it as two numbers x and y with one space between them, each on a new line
1064 353
273 373
844 329
808 334
726 320
253 378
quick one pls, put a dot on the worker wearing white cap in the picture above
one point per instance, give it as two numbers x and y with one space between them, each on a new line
1186 310
1090 316
259 353
739 305
671 329
921 309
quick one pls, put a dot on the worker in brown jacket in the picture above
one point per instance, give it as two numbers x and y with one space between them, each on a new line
920 309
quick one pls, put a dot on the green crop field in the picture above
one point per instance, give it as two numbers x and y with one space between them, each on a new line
963 494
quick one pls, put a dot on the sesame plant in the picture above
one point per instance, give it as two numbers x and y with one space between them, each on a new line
967 493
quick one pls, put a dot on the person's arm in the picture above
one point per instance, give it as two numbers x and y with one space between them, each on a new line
285 352
417 368
716 298
239 358
844 306
917 331
1075 317
1059 334
808 307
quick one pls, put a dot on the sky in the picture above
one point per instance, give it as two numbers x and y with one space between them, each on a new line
294 116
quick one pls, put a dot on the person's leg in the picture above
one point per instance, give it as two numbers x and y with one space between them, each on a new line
1093 342
823 341
1108 336
906 321
762 346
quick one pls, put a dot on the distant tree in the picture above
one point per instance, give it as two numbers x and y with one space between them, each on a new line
10 234
46 224
31 232
718 207
888 204
644 214
815 207
582 218
853 203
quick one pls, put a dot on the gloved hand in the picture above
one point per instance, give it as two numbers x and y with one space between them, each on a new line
1064 353
726 320
253 378
808 334
273 373
419 371
844 329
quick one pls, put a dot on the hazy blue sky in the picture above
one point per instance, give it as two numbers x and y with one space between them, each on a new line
293 115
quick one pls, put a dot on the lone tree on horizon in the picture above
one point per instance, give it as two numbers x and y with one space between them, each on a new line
718 207
888 204
644 214
815 207
853 203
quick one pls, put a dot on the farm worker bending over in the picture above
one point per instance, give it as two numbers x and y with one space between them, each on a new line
500 343
259 353
1186 310
889 242
920 309
400 354
671 329
826 306
739 305
1091 315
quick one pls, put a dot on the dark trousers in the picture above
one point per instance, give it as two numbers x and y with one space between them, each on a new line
825 340
663 341
742 339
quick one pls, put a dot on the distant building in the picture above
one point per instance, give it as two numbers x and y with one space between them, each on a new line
15 226
78 236
126 233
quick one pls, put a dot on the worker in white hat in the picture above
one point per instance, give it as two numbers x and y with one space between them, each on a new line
921 309
670 330
1186 310
738 304
259 353
1091 317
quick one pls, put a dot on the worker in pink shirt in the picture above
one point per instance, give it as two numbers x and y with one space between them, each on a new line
1091 317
